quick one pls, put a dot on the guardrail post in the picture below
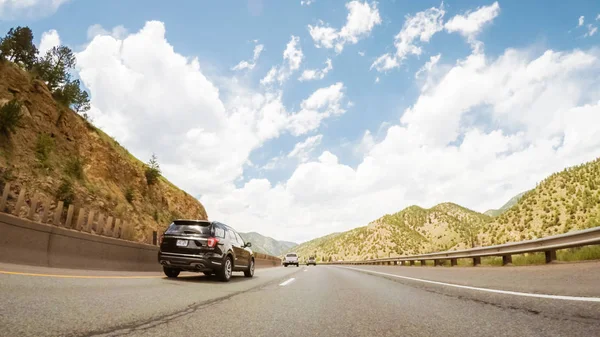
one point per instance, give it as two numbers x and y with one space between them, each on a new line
4 197
423 263
476 261
550 255
70 212
453 262
506 259
58 213
412 262
33 208
437 263
20 202
154 237
395 263
100 224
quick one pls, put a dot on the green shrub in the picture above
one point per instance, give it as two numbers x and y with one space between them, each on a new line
129 195
10 117
74 167
152 171
43 147
65 192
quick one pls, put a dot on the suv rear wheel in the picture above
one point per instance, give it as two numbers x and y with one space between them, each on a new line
170 272
225 272
250 271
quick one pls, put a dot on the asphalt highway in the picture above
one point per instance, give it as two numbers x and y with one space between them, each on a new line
305 301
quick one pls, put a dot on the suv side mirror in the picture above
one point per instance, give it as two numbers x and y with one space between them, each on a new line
248 244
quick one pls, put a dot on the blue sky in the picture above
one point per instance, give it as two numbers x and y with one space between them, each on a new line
443 135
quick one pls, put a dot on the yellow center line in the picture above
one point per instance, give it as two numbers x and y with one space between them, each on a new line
78 276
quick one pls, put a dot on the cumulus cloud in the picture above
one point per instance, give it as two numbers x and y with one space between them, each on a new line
302 150
418 28
18 9
252 63
362 18
321 104
306 2
117 32
581 21
471 24
50 39
153 99
316 74
487 129
292 57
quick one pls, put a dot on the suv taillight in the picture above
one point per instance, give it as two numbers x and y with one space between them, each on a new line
160 239
212 242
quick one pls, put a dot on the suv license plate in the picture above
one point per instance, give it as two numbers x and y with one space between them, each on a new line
182 243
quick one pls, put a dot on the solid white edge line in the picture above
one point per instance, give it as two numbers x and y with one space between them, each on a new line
505 292
285 283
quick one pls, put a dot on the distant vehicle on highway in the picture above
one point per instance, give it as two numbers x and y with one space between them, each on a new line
204 246
291 258
311 260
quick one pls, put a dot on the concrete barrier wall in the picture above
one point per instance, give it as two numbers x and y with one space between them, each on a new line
26 242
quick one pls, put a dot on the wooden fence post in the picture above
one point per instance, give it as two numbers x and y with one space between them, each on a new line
80 219
106 231
20 202
90 221
70 212
58 213
45 211
33 208
115 233
100 224
4 197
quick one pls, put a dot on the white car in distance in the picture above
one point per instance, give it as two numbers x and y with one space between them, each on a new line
291 258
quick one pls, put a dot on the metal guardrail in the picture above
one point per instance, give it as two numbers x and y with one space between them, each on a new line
548 245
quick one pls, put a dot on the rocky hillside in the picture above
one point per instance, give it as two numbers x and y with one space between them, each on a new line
413 230
565 201
513 201
60 155
266 245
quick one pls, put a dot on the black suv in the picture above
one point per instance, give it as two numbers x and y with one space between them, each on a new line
204 246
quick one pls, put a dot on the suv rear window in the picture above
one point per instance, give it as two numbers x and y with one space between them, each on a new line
291 255
189 227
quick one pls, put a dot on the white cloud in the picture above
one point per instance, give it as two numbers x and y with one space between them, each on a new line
322 104
592 30
316 74
293 55
598 17
428 66
250 64
153 99
362 18
302 150
472 23
118 32
377 79
361 53
486 130
306 2
420 27
49 40
581 21
18 9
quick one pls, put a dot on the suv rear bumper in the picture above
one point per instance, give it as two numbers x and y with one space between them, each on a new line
189 262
